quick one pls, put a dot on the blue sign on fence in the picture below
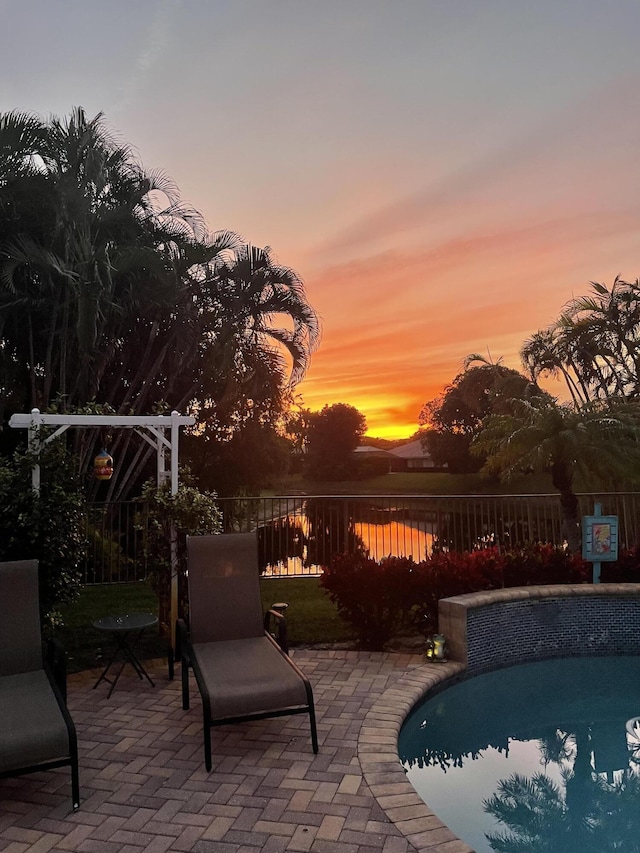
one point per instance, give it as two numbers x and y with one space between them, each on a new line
600 538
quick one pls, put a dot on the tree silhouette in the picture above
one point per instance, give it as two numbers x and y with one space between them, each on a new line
600 439
333 435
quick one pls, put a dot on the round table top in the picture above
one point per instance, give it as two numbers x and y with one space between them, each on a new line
126 622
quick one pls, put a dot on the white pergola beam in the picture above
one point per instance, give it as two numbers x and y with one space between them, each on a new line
25 421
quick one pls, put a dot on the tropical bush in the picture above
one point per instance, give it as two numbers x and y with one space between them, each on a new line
375 598
380 599
48 526
626 569
536 565
193 512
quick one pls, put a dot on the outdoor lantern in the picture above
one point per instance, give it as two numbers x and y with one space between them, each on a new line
436 648
103 466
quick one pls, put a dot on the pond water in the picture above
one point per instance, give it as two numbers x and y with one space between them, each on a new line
304 551
397 539
534 757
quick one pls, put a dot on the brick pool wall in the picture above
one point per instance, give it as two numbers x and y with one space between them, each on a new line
496 628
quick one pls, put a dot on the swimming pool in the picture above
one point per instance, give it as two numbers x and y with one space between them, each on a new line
533 757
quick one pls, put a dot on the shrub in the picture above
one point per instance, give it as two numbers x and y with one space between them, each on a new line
449 573
48 527
378 599
537 564
626 569
375 466
106 559
193 512
372 596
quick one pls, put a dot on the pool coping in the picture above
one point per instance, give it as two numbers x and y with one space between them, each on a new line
383 772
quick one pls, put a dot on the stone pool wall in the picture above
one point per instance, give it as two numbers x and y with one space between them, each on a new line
495 628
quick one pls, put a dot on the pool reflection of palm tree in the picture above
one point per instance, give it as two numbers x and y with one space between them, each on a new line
590 816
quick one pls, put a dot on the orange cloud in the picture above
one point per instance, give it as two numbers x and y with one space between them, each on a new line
397 325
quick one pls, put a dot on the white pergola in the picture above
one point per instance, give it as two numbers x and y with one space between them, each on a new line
152 428
160 431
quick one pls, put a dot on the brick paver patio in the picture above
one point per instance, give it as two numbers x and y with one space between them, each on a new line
144 787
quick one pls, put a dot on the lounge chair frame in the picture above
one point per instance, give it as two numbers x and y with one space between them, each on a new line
54 666
189 660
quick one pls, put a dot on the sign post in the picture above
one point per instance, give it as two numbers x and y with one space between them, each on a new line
599 539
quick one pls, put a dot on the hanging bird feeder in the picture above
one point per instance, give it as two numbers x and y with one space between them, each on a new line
103 466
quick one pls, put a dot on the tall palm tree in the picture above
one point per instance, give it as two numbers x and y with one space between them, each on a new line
594 345
113 290
61 274
267 308
241 339
599 439
545 354
21 138
257 330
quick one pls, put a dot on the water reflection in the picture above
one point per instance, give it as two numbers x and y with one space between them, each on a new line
396 538
533 758
304 540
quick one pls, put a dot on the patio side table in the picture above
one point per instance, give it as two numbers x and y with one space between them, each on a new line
121 628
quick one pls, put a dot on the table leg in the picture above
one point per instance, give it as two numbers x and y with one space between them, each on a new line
123 646
134 660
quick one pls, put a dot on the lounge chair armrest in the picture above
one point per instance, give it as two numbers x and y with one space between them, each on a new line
282 639
56 660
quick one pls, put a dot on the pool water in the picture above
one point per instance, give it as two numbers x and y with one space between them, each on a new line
533 758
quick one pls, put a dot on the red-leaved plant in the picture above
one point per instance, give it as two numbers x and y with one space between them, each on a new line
380 599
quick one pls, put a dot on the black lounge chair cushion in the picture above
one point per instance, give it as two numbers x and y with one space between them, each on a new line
32 728
248 676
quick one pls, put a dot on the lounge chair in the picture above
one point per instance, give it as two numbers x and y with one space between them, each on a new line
36 730
241 672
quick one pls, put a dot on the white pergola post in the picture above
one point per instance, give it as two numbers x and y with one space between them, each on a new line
152 428
175 436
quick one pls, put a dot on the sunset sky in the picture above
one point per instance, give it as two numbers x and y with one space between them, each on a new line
444 175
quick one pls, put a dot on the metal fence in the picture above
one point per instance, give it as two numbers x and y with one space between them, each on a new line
299 534
114 540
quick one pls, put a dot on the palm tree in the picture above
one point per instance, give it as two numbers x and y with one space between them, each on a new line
259 293
544 354
257 330
594 345
240 340
59 272
596 440
21 138
113 290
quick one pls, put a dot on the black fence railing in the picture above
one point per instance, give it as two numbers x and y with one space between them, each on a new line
299 534
115 550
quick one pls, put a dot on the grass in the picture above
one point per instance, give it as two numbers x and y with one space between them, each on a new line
420 483
87 647
311 618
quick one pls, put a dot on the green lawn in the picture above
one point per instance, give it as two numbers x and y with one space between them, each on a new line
87 647
422 483
311 618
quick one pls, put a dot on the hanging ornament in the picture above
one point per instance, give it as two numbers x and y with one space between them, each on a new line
103 466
